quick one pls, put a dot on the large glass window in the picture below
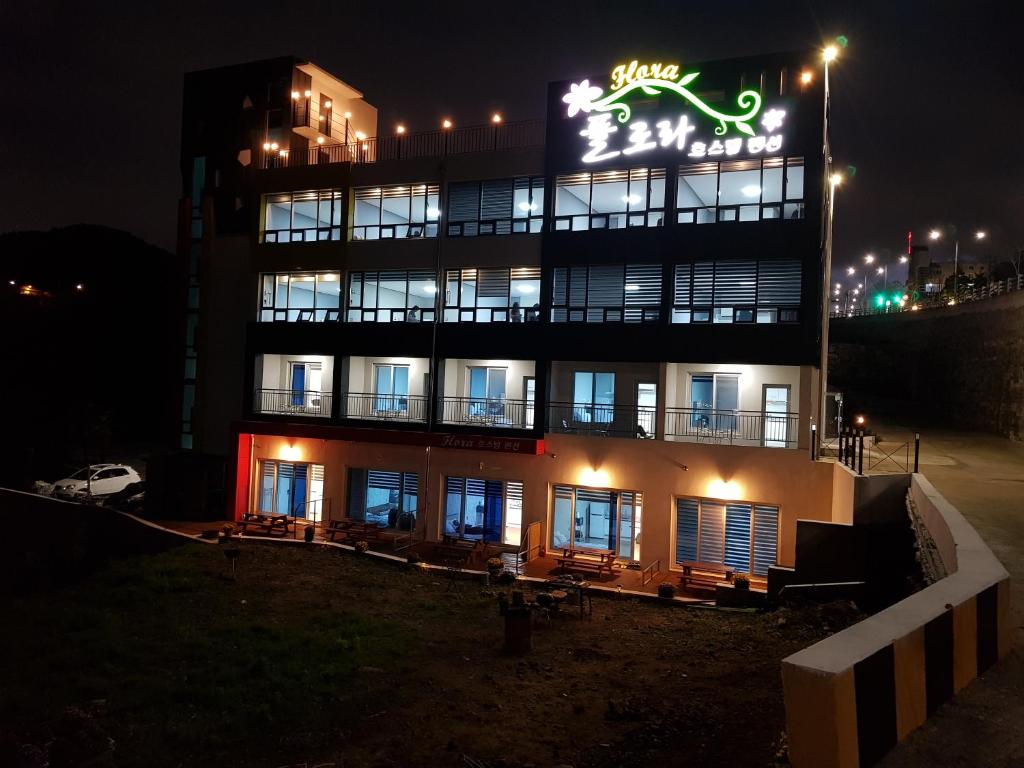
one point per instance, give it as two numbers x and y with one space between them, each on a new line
300 297
488 510
495 207
714 401
496 295
741 535
593 397
597 520
383 213
740 190
390 389
389 499
766 291
610 199
287 488
384 297
296 217
616 293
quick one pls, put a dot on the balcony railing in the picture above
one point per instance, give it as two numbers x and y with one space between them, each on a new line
294 402
602 420
707 425
487 412
457 141
361 405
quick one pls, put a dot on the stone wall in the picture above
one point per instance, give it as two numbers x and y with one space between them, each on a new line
960 366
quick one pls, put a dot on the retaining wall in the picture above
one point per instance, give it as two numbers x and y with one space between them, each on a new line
851 697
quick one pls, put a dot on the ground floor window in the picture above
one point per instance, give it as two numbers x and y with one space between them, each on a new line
389 499
488 510
597 520
287 488
742 535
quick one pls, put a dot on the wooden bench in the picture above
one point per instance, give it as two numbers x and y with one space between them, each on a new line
600 561
353 530
268 525
705 576
460 550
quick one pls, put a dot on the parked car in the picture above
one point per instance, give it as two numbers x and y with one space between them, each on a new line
98 479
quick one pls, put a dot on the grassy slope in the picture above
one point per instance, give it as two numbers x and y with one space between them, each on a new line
313 655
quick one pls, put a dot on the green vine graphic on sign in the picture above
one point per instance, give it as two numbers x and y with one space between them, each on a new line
584 97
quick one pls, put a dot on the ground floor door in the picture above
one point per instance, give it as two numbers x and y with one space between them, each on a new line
388 499
483 510
597 520
290 488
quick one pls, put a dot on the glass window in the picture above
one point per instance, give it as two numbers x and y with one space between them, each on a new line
737 291
597 520
593 397
739 190
610 199
288 488
628 293
492 295
300 297
380 497
495 207
296 217
395 212
487 510
741 535
385 297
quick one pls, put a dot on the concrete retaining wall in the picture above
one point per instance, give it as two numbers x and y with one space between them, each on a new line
851 697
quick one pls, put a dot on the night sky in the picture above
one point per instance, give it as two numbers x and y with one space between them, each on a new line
928 97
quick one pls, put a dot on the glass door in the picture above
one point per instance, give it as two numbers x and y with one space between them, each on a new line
530 389
391 388
487 393
775 416
646 407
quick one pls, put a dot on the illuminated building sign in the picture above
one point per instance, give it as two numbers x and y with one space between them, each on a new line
700 130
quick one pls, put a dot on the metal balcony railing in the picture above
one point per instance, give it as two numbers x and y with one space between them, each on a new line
601 420
487 412
457 141
295 402
362 405
778 430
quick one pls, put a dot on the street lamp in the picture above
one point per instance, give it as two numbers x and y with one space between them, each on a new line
938 234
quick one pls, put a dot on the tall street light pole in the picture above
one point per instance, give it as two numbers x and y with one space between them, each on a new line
937 234
833 180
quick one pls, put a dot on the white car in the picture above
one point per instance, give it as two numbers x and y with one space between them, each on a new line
99 479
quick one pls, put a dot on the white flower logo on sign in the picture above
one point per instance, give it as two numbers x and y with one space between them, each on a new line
603 110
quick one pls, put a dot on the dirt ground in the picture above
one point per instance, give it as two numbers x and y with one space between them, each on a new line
318 657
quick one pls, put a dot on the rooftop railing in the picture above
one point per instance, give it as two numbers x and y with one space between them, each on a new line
441 143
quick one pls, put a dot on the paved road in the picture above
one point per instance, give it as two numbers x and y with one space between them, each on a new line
983 476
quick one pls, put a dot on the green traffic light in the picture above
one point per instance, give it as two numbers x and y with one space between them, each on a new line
880 300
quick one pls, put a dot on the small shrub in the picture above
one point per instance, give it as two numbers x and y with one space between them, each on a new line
412 557
666 590
741 581
362 545
495 564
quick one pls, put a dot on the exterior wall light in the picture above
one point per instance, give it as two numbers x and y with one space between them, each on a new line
496 118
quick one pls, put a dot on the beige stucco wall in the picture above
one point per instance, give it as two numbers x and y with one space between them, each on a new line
660 470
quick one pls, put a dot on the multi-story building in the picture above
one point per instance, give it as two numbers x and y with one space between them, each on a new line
603 327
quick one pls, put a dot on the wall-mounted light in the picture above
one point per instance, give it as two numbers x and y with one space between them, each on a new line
595 478
291 452
266 145
319 139
327 104
307 94
399 129
446 123
295 94
724 489
496 118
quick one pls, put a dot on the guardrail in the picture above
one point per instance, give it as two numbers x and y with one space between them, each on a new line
853 696
487 412
647 575
363 405
293 402
733 427
941 301
492 137
599 420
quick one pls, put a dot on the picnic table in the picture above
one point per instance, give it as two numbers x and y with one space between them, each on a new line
268 525
353 530
705 575
599 560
